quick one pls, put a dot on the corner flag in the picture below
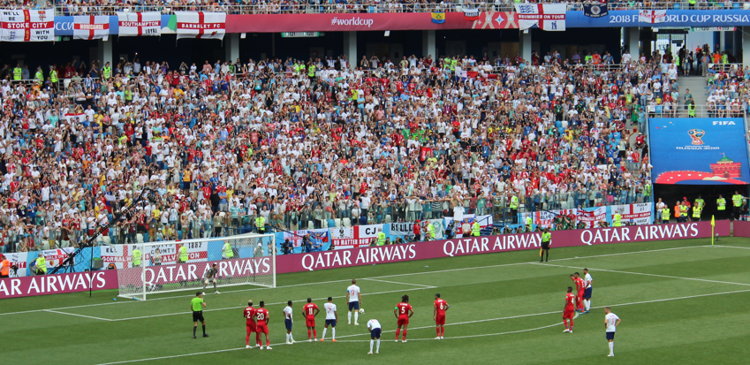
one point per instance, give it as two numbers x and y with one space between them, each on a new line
713 225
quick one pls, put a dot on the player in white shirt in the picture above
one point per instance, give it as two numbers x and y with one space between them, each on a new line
288 322
354 298
331 317
587 280
374 327
611 322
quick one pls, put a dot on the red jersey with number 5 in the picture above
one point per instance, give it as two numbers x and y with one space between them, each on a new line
441 306
570 300
261 315
403 309
309 310
249 314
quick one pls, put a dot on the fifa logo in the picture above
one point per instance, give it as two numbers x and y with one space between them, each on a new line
696 135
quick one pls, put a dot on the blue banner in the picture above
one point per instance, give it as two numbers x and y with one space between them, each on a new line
699 151
660 18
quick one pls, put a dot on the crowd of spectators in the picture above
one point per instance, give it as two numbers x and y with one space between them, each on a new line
110 7
728 91
296 142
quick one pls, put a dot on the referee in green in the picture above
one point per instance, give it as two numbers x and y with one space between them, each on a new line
197 304
546 243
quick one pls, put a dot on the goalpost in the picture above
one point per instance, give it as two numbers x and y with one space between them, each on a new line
248 259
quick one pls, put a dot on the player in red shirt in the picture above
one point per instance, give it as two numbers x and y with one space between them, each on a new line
309 311
580 289
403 312
249 314
569 310
261 325
440 307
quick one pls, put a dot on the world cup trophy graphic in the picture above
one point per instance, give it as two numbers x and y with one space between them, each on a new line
696 135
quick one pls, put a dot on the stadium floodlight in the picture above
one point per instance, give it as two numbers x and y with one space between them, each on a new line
173 266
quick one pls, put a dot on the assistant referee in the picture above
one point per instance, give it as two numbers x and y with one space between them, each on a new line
546 243
197 304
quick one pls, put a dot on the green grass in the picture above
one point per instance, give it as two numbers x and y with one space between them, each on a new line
681 303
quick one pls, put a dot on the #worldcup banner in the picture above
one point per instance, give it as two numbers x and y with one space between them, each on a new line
27 25
202 25
699 151
550 17
139 24
90 27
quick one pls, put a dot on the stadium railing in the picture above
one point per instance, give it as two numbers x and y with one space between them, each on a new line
380 7
701 111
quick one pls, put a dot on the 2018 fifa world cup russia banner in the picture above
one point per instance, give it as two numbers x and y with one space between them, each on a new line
699 151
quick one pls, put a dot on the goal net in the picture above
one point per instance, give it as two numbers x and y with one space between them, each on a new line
171 266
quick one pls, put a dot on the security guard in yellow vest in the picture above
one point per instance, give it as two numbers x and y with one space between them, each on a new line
683 212
617 220
430 231
665 213
260 224
53 78
182 254
106 71
691 110
39 76
41 264
381 238
476 229
311 70
721 207
697 210
514 207
17 73
737 202
529 224
226 251
137 256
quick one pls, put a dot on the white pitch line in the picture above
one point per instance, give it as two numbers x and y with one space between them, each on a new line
374 277
401 283
269 304
447 324
652 275
78 315
730 246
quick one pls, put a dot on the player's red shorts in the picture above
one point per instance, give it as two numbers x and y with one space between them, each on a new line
310 322
261 327
440 319
580 294
402 321
250 327
569 313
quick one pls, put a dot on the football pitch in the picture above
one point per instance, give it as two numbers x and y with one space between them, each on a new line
681 302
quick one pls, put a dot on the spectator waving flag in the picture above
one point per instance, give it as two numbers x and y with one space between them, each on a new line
652 16
90 27
595 8
200 24
471 13
27 25
438 17
139 24
550 17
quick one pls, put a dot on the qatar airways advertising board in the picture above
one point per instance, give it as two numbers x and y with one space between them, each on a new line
492 244
57 284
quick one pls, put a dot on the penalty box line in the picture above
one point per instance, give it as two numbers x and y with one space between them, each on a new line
447 324
647 274
375 277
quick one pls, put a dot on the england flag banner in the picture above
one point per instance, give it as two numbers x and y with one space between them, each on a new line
139 24
90 27
27 25
199 24
652 16
550 17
